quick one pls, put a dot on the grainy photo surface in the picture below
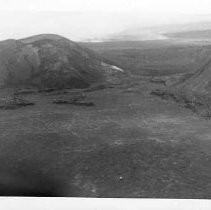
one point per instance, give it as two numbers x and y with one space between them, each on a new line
105 98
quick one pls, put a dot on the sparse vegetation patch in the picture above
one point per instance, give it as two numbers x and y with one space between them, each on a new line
76 99
14 103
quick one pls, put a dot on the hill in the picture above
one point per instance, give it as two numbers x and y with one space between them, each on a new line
200 82
49 61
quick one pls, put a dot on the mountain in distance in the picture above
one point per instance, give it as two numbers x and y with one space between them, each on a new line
50 61
162 32
192 35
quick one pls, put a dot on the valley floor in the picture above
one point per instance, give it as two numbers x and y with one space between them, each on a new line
130 144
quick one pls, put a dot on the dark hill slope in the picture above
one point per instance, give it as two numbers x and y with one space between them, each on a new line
49 61
200 82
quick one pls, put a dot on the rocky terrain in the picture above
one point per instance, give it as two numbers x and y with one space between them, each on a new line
77 136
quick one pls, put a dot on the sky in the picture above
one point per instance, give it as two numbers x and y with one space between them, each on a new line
189 6
84 19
